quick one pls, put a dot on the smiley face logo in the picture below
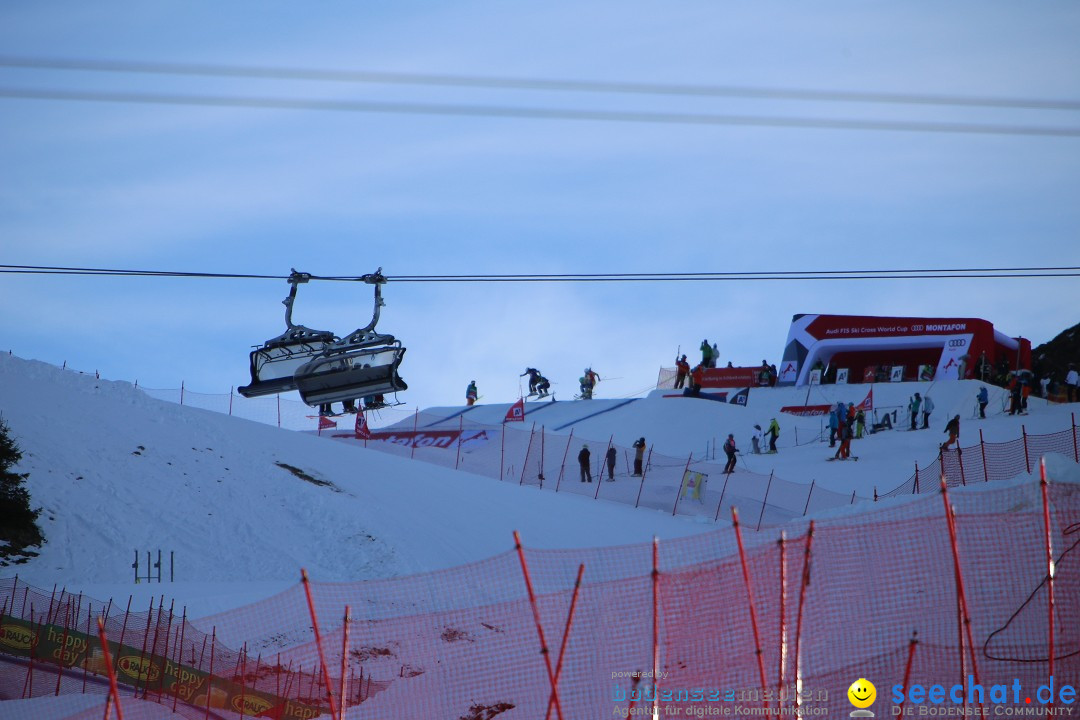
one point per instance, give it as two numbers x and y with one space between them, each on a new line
862 693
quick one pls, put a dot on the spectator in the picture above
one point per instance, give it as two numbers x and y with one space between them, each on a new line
706 353
772 376
715 356
982 368
844 451
961 367
860 424
639 455
953 428
773 432
583 461
984 398
834 425
1072 383
913 408
730 450
1016 394
697 376
611 463
927 408
471 394
682 369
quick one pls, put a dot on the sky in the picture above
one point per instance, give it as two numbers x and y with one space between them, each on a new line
232 189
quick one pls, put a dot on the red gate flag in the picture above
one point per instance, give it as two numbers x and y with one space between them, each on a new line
516 413
868 401
326 423
361 430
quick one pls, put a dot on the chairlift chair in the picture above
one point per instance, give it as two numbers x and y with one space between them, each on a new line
274 365
362 363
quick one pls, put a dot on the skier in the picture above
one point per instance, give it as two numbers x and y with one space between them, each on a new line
756 439
533 374
927 408
953 428
773 432
730 450
1015 395
639 455
471 394
860 424
682 369
542 386
844 451
984 398
611 455
913 408
583 461
834 425
588 382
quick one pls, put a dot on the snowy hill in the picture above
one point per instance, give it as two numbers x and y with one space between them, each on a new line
116 471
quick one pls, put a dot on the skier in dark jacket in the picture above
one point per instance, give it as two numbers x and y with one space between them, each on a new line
533 374
639 455
730 450
542 386
611 455
583 461
983 398
953 428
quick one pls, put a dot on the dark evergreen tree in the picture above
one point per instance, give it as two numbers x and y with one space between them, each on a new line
19 529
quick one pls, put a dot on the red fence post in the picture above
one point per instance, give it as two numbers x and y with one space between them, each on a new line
114 691
1044 485
502 451
802 604
907 666
539 626
982 447
783 621
344 692
318 642
210 676
950 518
566 636
753 610
1027 460
719 505
540 475
656 625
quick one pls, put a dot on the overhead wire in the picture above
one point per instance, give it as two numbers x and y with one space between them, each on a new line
775 275
536 113
525 83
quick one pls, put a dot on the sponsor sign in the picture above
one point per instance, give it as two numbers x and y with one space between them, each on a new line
730 377
897 374
425 438
827 327
841 376
73 649
806 410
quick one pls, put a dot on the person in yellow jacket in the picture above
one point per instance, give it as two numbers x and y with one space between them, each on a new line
773 432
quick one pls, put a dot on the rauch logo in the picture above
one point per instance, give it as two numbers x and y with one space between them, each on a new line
138 668
17 637
251 705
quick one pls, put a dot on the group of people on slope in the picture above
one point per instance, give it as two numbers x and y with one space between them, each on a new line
845 422
584 458
540 386
757 441
919 404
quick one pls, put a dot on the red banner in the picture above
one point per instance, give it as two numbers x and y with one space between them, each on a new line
516 413
738 377
425 438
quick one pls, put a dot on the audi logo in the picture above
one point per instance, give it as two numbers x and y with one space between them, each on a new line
917 328
957 343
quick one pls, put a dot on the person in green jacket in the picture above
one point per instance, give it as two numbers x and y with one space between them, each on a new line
706 354
773 432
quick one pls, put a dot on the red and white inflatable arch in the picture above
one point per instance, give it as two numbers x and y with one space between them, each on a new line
862 343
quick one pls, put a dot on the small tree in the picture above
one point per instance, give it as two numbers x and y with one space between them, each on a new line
19 529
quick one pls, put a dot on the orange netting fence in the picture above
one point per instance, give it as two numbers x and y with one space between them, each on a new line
707 624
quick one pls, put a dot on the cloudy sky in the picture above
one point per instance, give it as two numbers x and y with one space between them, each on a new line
237 186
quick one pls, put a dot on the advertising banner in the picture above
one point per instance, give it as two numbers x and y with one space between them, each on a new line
70 648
